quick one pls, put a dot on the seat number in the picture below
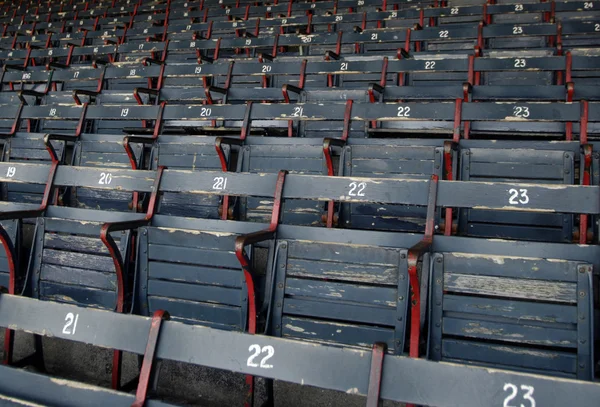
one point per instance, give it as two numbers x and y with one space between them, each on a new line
266 68
588 5
205 112
514 390
521 111
220 183
339 18
429 64
306 40
596 27
518 7
344 66
454 10
520 63
517 30
403 111
443 34
518 197
11 171
198 69
357 189
105 178
26 75
255 351
70 324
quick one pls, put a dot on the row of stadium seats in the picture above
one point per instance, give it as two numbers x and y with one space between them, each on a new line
313 192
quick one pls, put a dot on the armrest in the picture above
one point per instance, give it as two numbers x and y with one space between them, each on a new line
154 61
97 62
90 93
209 90
329 55
61 137
290 88
127 140
414 254
51 65
147 91
268 57
219 142
133 223
403 54
204 58
28 92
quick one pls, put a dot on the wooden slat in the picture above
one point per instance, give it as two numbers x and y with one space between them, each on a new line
340 311
506 266
194 239
363 273
190 310
350 334
195 274
521 311
196 292
79 277
515 333
205 257
78 260
74 243
368 255
352 293
78 295
510 356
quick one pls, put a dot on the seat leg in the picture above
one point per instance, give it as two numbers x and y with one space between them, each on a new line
269 394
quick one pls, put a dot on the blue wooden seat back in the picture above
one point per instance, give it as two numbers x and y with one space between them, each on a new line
516 166
521 313
338 293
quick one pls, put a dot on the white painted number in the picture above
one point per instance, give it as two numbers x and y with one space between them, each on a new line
344 66
26 75
403 111
131 72
521 111
298 112
588 5
11 172
513 393
520 63
124 112
597 27
266 68
374 36
248 41
52 112
269 350
521 194
443 34
517 30
198 69
339 18
205 112
105 178
518 7
306 40
220 183
70 324
429 64
454 10
357 189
